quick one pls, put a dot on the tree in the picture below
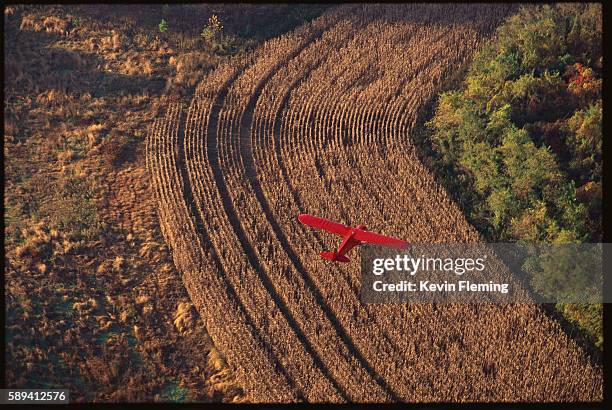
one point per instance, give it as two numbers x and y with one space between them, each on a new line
521 140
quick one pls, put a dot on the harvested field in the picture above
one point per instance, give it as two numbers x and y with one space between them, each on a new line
319 121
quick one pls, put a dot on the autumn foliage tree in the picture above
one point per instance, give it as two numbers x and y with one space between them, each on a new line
522 139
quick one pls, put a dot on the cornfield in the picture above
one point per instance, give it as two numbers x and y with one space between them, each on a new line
319 121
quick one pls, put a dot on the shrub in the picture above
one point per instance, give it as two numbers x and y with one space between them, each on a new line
163 26
213 28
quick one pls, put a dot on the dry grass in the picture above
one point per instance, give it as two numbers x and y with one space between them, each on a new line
93 310
184 318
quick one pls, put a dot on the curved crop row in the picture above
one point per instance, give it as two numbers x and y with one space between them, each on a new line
319 121
226 320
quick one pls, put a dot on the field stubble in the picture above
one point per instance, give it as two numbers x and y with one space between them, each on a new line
319 121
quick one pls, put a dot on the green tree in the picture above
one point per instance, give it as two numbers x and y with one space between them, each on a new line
521 140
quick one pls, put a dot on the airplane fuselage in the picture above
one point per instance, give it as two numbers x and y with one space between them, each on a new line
349 242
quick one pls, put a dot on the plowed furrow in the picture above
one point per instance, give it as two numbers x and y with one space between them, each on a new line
349 309
273 326
248 161
344 366
212 295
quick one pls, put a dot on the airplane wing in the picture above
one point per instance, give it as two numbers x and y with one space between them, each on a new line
321 223
374 238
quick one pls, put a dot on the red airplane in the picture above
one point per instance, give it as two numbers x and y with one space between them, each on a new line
352 237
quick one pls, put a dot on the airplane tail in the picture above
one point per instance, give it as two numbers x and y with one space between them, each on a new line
333 256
